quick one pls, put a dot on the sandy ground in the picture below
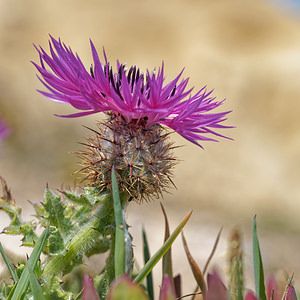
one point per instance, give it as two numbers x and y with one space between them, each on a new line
248 52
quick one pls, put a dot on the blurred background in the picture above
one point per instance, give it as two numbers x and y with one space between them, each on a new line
247 51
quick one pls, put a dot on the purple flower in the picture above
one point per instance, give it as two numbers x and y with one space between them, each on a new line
4 131
137 97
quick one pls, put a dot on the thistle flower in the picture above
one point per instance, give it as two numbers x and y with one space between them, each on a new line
137 105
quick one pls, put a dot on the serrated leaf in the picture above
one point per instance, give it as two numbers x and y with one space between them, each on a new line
82 241
56 212
94 196
78 199
55 241
146 252
13 213
17 226
161 252
195 268
258 266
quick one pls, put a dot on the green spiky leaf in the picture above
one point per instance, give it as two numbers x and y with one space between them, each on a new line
56 212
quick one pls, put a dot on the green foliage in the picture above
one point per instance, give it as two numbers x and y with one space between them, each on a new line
20 287
77 225
17 226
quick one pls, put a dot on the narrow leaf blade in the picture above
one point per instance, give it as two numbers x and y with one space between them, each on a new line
212 251
23 283
8 264
167 258
161 252
35 286
146 258
195 268
258 266
119 241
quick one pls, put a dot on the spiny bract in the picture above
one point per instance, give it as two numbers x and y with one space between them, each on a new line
141 157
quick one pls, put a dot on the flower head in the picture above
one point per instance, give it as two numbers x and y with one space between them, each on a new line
129 94
132 139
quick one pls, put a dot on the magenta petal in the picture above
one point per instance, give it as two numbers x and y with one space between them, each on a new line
272 288
250 296
291 293
167 291
89 291
128 93
216 289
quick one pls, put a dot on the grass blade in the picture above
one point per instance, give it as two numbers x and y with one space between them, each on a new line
11 269
23 283
119 241
35 286
167 258
195 269
146 258
258 266
212 251
162 251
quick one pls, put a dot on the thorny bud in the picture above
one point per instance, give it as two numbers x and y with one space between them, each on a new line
141 156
